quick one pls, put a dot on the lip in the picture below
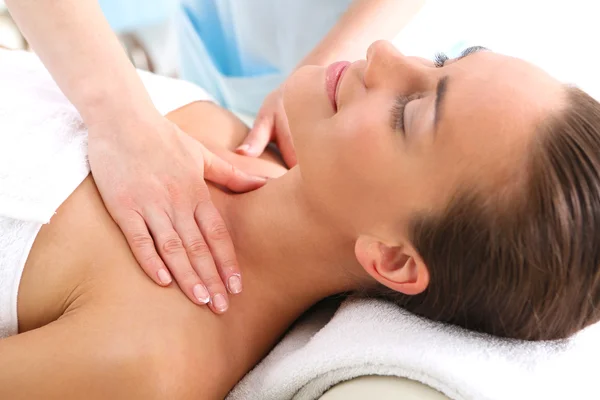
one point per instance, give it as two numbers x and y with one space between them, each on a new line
333 77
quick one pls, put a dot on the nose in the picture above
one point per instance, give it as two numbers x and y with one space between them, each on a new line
387 67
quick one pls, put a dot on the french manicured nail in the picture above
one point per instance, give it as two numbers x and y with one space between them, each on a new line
220 303
260 179
235 284
243 148
164 277
201 293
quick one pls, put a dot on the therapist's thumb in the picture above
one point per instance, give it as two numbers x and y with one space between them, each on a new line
258 138
284 140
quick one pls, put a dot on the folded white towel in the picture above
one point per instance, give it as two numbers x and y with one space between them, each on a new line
374 337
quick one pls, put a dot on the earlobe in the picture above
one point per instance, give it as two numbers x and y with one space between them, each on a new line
398 267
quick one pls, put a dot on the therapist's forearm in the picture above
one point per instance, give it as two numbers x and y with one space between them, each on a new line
84 56
364 22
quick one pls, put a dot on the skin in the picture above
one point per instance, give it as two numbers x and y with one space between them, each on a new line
362 23
95 326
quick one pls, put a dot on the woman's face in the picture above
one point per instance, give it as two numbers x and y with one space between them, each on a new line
405 131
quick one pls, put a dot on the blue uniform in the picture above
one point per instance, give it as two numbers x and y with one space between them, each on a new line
241 50
130 15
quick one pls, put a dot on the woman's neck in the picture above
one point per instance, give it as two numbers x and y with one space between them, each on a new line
285 249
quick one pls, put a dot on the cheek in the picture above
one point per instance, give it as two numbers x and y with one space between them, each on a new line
363 141
358 168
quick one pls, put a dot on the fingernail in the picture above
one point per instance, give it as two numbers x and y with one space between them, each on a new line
243 148
220 303
164 277
235 284
201 293
260 179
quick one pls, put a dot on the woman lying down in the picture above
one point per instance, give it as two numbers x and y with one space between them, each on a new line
465 190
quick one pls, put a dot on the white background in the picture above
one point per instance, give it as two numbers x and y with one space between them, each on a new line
560 36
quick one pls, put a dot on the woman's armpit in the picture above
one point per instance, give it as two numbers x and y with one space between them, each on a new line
79 244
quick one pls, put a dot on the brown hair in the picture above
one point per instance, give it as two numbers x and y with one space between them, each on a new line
529 267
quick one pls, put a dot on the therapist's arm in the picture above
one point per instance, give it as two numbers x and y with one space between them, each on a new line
84 56
364 22
150 176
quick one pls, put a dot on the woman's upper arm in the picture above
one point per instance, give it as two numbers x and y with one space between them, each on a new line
64 360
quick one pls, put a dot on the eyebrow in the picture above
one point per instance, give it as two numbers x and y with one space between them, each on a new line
442 85
440 93
471 50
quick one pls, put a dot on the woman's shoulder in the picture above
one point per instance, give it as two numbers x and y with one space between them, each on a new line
221 132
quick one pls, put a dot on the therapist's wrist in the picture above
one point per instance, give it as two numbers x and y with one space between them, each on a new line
106 103
114 125
128 134
115 116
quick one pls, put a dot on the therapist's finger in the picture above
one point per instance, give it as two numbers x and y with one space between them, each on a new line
222 266
284 140
223 173
258 138
171 249
201 258
142 246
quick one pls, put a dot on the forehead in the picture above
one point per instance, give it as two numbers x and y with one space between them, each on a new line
492 107
506 82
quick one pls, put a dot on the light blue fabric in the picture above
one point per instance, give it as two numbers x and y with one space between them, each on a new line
129 15
241 50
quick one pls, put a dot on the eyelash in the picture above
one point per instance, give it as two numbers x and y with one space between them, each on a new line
401 101
398 110
439 60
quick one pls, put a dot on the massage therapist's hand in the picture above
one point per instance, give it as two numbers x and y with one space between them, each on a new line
271 124
151 177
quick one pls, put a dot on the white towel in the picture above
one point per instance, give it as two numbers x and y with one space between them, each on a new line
375 337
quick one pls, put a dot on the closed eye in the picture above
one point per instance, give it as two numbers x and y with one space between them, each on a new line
440 59
397 112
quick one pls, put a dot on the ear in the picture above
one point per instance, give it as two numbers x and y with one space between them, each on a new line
398 267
